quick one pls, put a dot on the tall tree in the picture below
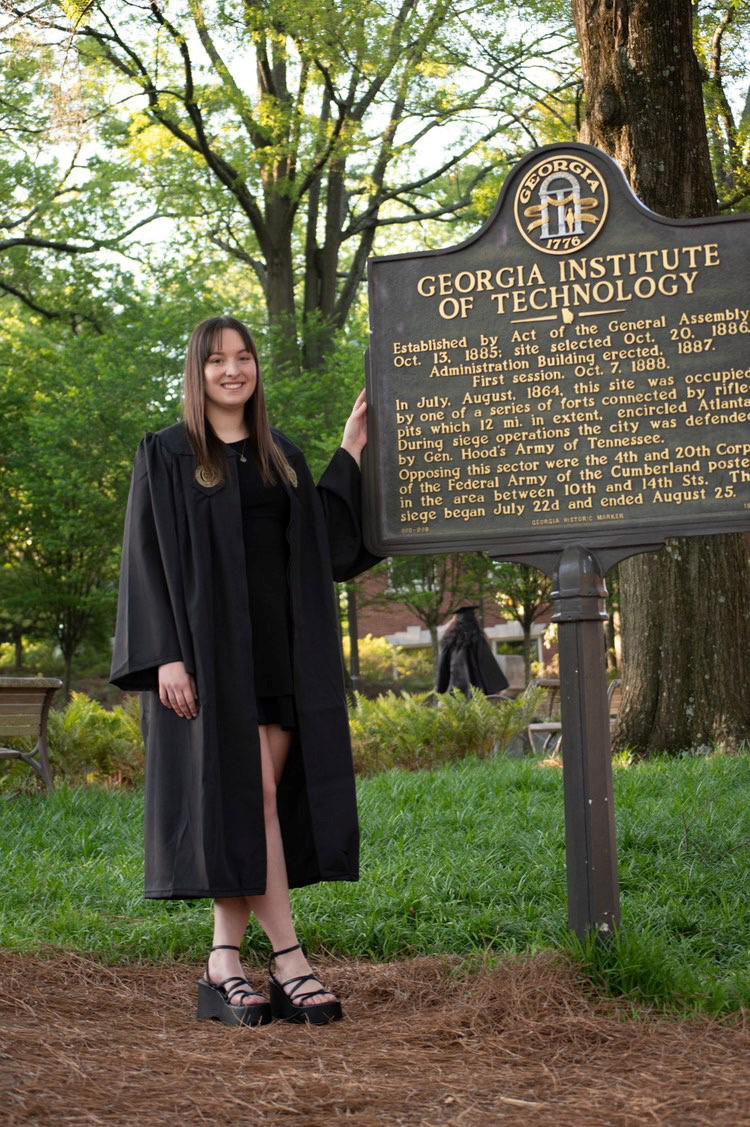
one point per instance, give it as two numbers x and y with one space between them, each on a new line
291 131
65 474
56 217
720 35
686 610
522 593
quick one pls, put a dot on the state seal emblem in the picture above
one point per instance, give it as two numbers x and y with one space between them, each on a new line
561 204
205 478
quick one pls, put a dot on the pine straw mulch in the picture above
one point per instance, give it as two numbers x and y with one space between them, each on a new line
528 1042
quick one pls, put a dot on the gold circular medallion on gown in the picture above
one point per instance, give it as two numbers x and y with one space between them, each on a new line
561 203
206 478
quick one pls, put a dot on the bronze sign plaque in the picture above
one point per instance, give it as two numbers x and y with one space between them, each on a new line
577 371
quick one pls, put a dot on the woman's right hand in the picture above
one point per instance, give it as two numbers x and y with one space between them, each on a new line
177 690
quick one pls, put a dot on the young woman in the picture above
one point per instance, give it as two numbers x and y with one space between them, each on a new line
227 624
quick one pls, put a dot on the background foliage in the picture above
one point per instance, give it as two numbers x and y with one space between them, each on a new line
165 163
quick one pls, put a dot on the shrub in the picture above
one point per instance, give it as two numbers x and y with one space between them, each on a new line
415 665
93 744
97 744
376 657
41 659
419 730
410 667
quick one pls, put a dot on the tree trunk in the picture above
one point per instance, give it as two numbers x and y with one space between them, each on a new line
610 639
685 610
279 284
67 677
685 676
347 676
351 615
610 629
432 627
526 651
18 646
644 103
281 319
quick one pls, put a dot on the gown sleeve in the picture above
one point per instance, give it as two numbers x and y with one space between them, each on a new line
484 669
340 492
145 633
494 679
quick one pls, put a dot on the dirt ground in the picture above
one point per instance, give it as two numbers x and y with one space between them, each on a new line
525 1043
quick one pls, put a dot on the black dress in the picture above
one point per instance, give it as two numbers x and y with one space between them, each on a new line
265 517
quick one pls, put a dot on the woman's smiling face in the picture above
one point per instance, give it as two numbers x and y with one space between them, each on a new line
230 372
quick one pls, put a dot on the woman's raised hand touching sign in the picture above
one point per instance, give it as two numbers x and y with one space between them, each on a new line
355 431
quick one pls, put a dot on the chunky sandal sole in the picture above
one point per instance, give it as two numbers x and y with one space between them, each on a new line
213 1006
317 1013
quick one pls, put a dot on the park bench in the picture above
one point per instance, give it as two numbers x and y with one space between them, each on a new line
549 731
24 708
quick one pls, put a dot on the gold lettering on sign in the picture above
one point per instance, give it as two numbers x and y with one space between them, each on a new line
571 391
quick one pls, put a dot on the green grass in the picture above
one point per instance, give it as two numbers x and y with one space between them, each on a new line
464 859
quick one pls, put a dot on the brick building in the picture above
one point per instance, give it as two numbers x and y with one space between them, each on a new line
400 626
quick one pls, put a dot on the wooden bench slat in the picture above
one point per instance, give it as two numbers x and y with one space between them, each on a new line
25 699
30 683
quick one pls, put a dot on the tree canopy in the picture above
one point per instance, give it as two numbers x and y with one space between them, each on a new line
288 133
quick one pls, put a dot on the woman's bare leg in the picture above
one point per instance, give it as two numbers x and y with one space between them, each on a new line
230 923
231 915
273 908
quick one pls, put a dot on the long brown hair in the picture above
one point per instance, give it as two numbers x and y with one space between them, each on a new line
209 449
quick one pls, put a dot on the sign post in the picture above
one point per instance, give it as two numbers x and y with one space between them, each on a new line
591 849
568 387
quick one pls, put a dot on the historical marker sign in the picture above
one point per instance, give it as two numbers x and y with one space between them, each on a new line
576 372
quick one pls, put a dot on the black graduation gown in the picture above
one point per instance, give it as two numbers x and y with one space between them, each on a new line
183 597
460 667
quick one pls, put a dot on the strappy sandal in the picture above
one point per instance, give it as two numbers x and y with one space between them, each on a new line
283 1004
215 1001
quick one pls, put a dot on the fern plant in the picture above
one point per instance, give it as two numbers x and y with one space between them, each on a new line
418 730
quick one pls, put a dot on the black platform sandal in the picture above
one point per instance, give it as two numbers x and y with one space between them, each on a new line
215 1001
283 1005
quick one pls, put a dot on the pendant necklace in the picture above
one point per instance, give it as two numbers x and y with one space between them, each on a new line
242 452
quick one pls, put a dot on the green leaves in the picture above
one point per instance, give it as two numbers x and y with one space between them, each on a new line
77 11
292 133
418 730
